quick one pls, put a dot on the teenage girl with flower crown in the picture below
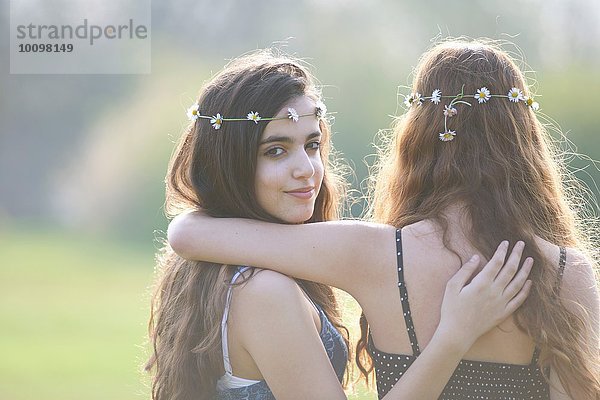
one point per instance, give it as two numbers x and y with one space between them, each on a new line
453 181
257 148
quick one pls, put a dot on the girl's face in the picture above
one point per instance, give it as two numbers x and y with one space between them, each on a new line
289 170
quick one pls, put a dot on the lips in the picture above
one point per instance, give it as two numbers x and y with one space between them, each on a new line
302 193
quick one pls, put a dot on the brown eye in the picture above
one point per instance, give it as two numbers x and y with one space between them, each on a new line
313 146
274 152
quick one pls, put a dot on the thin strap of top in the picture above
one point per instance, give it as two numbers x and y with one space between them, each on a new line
224 344
410 327
561 268
562 261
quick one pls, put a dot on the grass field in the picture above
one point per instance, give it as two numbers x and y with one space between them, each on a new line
73 314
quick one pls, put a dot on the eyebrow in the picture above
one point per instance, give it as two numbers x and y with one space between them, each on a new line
286 139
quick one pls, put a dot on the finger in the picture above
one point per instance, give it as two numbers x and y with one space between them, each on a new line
519 280
491 269
519 299
462 276
510 268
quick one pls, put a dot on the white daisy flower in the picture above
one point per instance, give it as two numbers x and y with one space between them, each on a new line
253 116
417 99
293 114
413 98
450 111
320 109
515 95
534 105
482 95
216 121
193 112
447 136
436 96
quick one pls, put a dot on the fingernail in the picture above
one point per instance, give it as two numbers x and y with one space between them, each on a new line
504 243
529 263
474 258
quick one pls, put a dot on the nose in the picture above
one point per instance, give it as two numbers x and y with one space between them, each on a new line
303 165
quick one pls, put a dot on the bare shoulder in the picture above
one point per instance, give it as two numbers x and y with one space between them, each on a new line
579 282
579 270
423 244
424 229
267 286
269 297
580 267
267 305
579 279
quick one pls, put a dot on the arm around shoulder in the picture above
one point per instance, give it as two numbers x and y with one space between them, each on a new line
179 238
345 254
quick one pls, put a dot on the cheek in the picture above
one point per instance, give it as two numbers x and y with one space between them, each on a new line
319 169
266 182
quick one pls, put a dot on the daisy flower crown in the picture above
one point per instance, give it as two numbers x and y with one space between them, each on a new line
483 95
194 113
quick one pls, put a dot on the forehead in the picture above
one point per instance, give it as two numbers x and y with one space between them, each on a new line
287 127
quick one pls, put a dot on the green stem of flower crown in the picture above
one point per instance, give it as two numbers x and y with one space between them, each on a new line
462 92
459 95
262 119
286 117
455 101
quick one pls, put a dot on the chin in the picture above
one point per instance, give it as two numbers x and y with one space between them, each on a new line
297 218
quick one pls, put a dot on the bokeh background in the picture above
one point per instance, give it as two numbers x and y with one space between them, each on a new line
83 157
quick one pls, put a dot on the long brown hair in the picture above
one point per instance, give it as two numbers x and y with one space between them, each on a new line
214 170
503 167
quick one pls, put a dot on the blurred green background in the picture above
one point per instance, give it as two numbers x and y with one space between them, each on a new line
83 158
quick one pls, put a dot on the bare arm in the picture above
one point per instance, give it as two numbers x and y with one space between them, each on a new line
579 291
345 254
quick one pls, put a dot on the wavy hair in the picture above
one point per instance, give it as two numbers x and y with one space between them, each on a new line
214 171
504 168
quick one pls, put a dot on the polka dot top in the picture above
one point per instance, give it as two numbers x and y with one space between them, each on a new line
471 379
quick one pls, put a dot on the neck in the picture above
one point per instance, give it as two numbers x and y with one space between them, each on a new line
457 216
459 227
